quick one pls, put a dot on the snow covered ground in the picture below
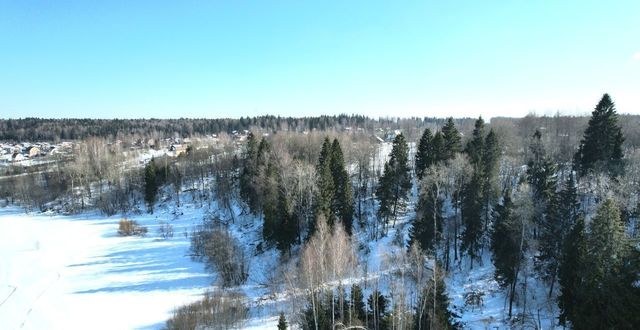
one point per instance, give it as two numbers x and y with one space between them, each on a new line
77 273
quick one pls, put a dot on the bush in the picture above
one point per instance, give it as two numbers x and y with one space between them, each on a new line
221 252
128 227
165 230
217 310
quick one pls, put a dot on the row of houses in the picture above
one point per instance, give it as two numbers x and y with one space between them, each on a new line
15 152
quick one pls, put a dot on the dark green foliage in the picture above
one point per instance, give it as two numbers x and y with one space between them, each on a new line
571 272
248 191
282 322
601 146
438 152
150 184
424 157
507 245
471 210
560 215
357 301
343 197
325 183
334 199
395 181
423 318
286 229
377 303
452 144
541 170
599 274
475 147
422 230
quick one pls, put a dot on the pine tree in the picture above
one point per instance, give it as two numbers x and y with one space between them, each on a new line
471 212
325 183
601 146
423 319
396 180
285 232
475 147
271 213
423 155
282 322
490 166
247 189
343 197
560 215
571 272
421 231
150 184
506 245
599 276
541 171
377 310
357 302
438 153
452 144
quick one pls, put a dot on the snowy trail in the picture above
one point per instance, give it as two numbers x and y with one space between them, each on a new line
76 273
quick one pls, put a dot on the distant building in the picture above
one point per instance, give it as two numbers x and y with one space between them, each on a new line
32 151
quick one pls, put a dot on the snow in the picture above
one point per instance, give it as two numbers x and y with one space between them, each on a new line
76 273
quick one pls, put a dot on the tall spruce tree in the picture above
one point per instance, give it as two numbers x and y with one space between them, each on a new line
422 230
438 153
506 245
326 187
560 215
357 303
601 146
247 189
343 197
452 140
425 310
424 157
396 180
572 271
608 296
472 216
490 167
475 147
282 322
150 184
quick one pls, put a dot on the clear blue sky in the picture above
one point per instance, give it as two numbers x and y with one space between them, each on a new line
235 58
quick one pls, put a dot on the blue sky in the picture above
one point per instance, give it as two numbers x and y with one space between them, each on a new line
132 59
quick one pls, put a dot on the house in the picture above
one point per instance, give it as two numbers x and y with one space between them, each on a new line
178 149
17 157
32 151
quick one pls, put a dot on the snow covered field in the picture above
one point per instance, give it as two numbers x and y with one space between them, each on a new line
77 273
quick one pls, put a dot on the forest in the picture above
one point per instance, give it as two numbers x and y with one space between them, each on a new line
372 223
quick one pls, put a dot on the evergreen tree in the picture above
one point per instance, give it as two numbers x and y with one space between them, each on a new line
601 290
601 146
490 166
560 215
506 245
438 153
271 201
571 272
247 189
150 184
377 310
452 144
282 322
343 197
326 190
423 157
396 180
475 147
471 212
357 301
541 171
285 232
421 231
423 319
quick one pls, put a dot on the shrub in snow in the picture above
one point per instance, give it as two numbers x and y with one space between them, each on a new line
165 230
221 252
128 227
217 310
